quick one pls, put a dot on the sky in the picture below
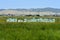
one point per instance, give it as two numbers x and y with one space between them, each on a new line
13 4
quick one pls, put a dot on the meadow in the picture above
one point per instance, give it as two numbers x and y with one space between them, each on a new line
29 30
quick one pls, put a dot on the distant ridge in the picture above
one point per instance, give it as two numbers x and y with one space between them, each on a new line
47 9
33 11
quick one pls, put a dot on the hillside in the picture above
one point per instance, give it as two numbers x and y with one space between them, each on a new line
32 11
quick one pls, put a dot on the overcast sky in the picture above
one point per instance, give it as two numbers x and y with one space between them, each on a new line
7 4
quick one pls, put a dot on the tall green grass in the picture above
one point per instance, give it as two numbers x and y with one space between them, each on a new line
30 31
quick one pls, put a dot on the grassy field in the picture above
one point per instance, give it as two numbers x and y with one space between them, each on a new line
29 31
